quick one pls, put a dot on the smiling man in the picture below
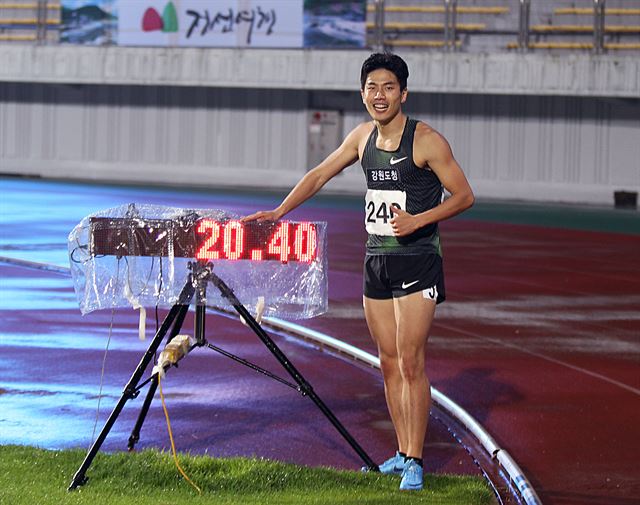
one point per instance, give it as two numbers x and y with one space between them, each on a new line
407 165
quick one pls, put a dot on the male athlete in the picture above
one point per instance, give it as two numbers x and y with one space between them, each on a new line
407 165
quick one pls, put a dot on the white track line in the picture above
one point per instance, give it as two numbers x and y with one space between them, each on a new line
501 343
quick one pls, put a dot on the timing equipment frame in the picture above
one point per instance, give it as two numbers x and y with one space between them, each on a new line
201 274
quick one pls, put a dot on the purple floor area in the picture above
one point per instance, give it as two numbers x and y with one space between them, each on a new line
51 368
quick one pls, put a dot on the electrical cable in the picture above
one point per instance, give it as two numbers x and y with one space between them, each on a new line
173 447
104 363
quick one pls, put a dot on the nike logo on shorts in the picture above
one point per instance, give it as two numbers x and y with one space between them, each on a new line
406 285
430 293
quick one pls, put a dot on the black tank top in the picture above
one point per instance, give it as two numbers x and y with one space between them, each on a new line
394 179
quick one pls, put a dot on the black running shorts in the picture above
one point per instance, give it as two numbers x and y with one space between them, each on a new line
396 275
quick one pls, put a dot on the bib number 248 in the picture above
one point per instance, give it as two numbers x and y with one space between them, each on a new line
378 212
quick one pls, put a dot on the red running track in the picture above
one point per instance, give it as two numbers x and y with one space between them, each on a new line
539 340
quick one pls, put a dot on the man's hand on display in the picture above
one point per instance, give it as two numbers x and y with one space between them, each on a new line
402 222
262 216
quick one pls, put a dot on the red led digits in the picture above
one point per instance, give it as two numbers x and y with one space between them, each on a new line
233 240
279 243
305 242
210 228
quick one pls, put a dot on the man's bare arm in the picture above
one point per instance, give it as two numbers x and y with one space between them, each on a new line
433 150
315 179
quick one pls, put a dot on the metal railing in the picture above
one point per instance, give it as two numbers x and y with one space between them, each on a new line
452 28
450 12
524 19
598 26
29 21
41 17
379 24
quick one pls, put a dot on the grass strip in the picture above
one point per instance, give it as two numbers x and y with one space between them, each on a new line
29 475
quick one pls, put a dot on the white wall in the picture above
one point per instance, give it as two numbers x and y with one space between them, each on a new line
544 148
570 74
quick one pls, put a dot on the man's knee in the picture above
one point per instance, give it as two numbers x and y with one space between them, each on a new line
411 367
389 365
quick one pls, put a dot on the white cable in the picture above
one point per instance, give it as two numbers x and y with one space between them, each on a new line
260 306
135 303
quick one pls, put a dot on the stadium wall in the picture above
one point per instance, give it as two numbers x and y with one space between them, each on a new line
531 127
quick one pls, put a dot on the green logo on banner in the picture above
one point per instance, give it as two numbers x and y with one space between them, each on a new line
170 18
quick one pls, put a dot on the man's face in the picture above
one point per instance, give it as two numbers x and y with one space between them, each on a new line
382 95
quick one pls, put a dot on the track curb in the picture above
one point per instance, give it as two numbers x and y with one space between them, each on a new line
516 475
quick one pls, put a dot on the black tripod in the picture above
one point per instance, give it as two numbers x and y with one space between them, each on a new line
201 274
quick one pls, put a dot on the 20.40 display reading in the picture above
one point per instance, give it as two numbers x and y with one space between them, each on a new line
233 240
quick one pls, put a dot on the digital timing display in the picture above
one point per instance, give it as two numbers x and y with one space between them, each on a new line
205 239
233 240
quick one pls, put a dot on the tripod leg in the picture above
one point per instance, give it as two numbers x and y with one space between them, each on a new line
199 325
305 387
129 392
135 433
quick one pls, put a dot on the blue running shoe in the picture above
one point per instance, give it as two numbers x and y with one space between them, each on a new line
411 477
394 465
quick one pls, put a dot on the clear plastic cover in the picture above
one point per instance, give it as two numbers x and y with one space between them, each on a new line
144 255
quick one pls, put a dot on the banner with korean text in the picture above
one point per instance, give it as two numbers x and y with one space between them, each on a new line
215 23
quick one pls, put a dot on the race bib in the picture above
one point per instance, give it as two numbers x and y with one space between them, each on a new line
378 212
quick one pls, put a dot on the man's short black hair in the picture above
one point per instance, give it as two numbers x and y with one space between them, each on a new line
391 62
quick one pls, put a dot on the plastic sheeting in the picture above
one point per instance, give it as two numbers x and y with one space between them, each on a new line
144 255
